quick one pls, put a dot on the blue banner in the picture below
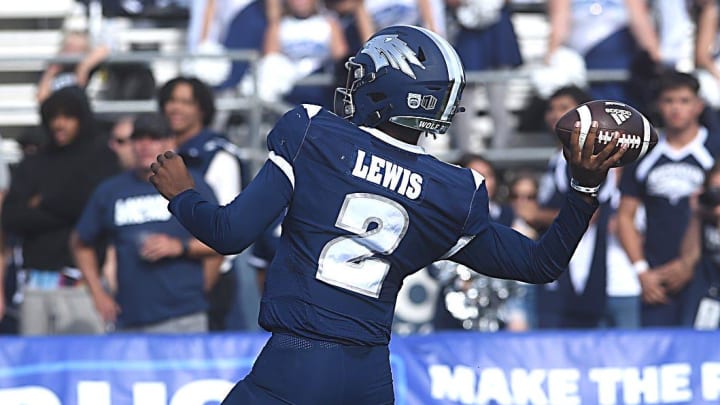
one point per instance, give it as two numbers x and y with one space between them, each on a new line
568 368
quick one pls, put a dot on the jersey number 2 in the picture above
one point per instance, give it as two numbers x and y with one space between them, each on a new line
349 261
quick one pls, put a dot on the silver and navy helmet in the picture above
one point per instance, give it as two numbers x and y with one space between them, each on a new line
406 75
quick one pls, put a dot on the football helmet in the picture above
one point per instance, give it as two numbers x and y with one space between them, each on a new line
406 75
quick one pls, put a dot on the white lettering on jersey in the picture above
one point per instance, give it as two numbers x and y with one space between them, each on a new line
674 181
141 209
389 175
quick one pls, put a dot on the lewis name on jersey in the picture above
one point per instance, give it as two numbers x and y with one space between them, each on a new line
388 174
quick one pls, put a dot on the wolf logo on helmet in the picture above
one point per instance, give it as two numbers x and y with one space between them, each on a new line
388 49
398 62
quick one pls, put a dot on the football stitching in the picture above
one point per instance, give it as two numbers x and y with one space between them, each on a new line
633 141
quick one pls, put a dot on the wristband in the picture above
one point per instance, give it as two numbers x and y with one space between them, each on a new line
641 266
591 191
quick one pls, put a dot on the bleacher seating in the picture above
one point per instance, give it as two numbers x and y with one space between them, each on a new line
31 31
42 9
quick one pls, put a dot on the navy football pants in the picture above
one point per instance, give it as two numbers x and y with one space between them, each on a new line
294 370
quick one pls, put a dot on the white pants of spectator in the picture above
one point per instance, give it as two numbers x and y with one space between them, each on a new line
192 323
61 311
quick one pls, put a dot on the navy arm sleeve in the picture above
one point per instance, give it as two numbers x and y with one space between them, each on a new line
232 228
499 251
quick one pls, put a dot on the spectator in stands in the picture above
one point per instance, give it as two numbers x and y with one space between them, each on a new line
189 107
209 21
485 41
4 185
500 213
31 140
160 280
663 182
385 13
245 31
705 15
674 26
119 141
600 288
609 34
700 253
59 75
355 21
306 40
120 80
46 197
219 25
523 202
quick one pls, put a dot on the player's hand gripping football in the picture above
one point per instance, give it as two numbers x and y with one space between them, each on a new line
170 175
588 169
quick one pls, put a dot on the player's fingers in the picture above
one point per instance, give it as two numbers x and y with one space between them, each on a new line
588 144
154 167
609 148
613 159
575 149
161 159
169 154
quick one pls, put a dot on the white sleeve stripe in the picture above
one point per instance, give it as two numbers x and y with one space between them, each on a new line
312 110
283 165
585 122
464 240
478 178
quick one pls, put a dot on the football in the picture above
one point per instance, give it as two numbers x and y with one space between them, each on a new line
633 128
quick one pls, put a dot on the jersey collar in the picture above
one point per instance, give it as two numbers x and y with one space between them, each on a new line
394 142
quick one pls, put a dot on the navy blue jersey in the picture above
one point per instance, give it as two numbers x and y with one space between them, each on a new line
126 209
265 246
362 205
663 181
501 213
364 210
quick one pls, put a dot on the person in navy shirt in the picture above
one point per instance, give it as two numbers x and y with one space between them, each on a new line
366 207
701 251
189 106
161 280
663 182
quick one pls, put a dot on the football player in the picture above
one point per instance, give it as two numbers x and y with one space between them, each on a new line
366 206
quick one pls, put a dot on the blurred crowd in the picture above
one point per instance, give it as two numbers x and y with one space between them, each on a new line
90 247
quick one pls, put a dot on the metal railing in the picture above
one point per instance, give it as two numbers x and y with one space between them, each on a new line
255 108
